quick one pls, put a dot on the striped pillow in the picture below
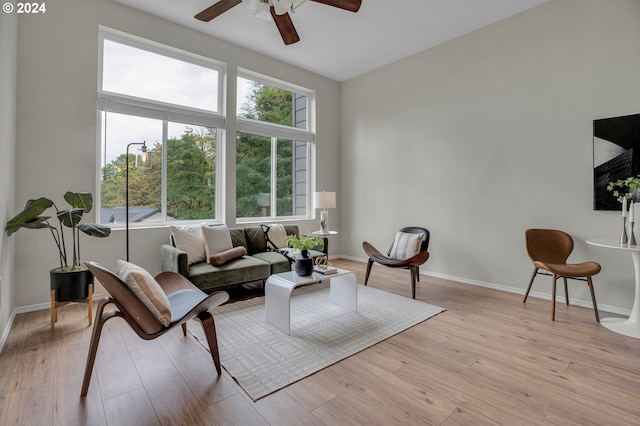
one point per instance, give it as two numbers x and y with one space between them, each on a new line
147 289
405 245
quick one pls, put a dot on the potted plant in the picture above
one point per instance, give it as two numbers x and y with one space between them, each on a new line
304 243
71 279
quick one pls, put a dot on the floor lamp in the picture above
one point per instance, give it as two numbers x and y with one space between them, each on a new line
145 162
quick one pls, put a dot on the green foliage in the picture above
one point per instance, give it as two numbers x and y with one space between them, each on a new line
304 242
270 104
191 165
624 188
190 193
31 218
253 155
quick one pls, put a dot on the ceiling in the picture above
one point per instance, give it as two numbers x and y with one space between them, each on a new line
342 45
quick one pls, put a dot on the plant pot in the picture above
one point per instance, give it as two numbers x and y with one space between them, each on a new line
304 264
70 286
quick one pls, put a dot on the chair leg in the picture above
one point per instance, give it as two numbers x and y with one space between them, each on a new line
369 265
566 290
184 328
418 273
553 298
535 271
95 340
593 298
209 327
90 303
413 282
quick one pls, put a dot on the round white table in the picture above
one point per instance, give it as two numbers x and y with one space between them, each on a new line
631 326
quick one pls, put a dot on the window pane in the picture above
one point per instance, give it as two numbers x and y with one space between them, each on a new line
271 104
136 72
144 184
253 175
191 162
291 178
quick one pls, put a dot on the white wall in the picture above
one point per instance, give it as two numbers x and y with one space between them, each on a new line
56 124
8 69
490 134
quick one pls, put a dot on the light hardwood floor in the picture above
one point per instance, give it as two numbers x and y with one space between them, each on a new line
489 359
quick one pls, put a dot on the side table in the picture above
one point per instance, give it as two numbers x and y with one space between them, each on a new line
325 238
631 326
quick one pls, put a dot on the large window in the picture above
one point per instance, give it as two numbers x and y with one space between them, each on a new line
273 144
170 101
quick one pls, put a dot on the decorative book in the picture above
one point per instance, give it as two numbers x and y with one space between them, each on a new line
325 270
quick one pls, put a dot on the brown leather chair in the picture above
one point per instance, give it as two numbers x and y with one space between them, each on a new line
549 250
413 263
186 301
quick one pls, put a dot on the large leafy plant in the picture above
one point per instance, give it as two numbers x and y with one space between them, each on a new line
80 203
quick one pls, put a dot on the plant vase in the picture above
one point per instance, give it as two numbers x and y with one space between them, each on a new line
70 285
623 235
304 264
632 216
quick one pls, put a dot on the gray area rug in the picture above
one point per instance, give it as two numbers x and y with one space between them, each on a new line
263 359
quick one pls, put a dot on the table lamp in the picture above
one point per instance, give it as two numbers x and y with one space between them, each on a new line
324 200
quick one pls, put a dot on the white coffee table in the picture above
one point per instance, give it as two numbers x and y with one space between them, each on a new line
343 291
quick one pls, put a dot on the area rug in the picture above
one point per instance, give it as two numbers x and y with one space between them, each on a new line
263 359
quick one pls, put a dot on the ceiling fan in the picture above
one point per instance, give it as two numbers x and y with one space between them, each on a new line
278 9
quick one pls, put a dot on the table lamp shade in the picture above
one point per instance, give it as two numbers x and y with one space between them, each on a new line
324 200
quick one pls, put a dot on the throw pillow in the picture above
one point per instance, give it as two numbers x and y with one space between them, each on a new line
275 235
188 238
147 289
405 245
216 239
223 257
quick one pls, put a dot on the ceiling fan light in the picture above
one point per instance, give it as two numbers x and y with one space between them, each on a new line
251 4
282 6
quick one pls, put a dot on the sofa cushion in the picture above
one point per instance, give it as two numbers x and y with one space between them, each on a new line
237 237
278 262
216 239
256 243
189 239
228 255
292 229
238 271
275 235
315 253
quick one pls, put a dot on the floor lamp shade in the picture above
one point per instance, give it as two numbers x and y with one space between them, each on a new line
324 200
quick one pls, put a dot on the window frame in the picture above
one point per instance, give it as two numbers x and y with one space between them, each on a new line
165 112
279 132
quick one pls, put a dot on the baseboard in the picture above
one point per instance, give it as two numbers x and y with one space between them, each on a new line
7 329
31 308
516 290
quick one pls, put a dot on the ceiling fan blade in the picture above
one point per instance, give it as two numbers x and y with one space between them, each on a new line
216 9
350 5
285 26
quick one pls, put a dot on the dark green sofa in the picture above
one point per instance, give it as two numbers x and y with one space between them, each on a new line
257 265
